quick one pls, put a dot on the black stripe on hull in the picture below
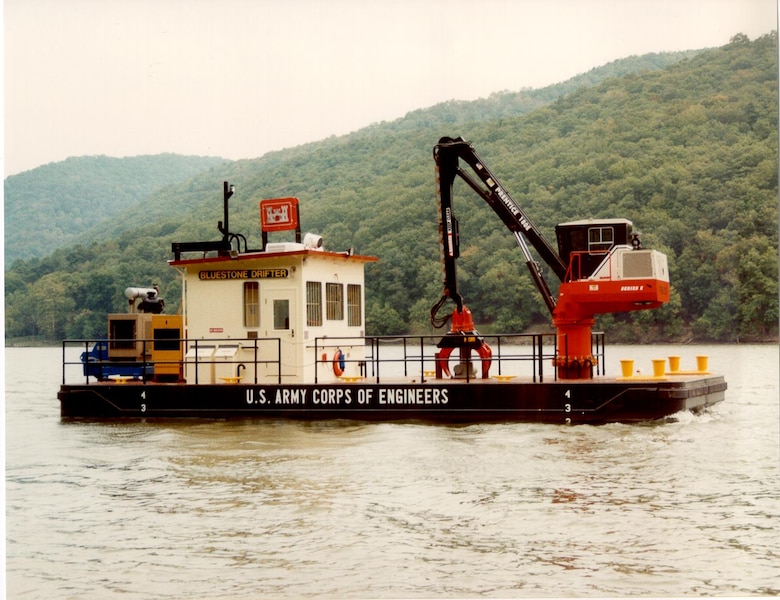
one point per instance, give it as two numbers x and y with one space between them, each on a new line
570 402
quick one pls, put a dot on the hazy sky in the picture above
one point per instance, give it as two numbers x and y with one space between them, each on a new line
239 78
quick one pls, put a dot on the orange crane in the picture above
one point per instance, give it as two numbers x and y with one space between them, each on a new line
600 263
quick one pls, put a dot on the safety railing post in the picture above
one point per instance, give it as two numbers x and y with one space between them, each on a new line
279 360
316 360
378 361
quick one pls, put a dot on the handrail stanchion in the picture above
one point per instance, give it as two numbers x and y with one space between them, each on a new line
143 361
316 360
377 362
374 344
422 359
86 350
540 343
279 359
498 348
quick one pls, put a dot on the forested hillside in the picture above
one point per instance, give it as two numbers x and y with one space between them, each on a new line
688 153
50 206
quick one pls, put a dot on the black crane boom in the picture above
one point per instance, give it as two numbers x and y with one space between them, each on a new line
447 154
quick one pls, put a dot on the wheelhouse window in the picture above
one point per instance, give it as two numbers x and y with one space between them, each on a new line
334 301
601 239
354 312
251 304
313 303
281 314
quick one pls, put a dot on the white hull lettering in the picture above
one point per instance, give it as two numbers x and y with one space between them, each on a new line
340 396
290 396
331 396
255 396
412 396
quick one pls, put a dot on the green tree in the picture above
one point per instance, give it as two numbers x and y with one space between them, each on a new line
757 311
52 297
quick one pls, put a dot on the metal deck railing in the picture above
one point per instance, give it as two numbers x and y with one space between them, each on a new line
199 355
407 356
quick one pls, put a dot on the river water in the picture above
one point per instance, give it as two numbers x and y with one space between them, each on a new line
252 509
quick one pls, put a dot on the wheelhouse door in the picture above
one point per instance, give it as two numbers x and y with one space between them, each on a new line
279 322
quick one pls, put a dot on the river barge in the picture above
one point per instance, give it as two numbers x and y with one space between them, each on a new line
279 332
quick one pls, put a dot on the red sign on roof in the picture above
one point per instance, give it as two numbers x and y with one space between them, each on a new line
279 214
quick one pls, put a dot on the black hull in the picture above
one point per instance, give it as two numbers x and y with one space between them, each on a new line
564 402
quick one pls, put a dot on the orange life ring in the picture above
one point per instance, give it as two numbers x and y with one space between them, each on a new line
338 363
484 351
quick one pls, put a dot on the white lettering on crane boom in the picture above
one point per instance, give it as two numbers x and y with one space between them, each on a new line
512 207
450 241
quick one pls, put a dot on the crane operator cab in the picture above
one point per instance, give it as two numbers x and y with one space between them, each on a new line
589 241
607 249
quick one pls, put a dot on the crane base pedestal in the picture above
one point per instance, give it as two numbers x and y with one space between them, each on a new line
574 359
580 367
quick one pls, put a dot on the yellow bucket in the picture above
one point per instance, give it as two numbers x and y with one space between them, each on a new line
659 367
701 362
627 367
674 364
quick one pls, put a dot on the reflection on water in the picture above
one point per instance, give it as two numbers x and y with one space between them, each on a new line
248 509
